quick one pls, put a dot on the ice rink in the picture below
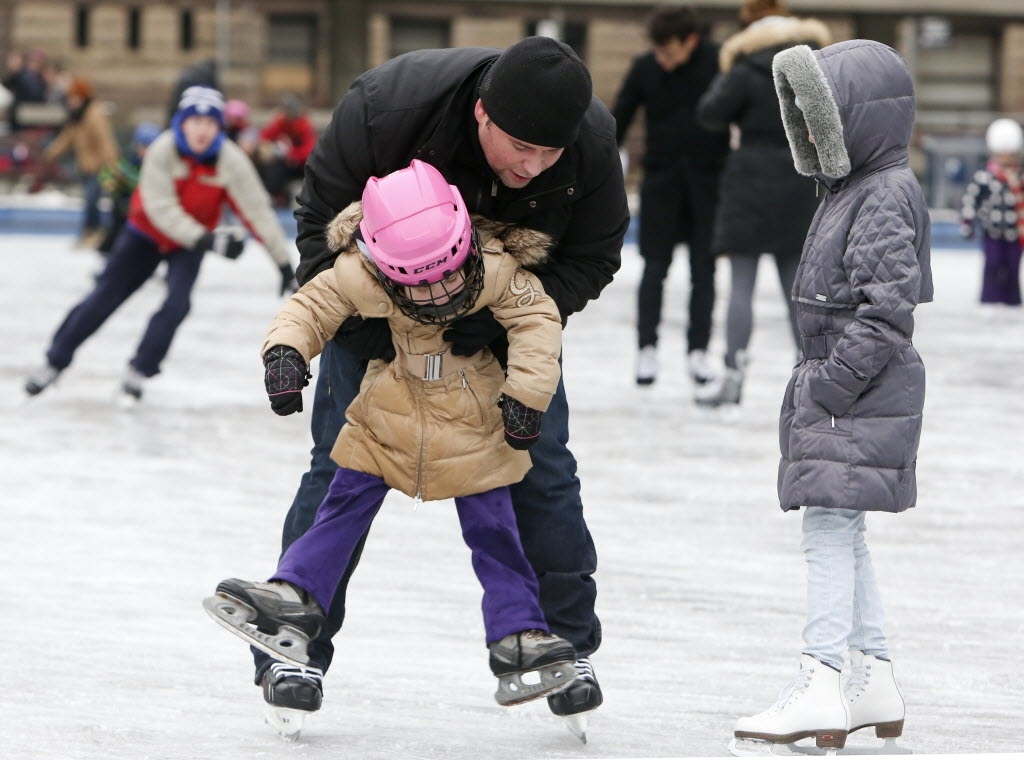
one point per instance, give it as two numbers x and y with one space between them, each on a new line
117 523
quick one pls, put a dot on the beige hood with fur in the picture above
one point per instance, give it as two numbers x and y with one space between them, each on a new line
433 438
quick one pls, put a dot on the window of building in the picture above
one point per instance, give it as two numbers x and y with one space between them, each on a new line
134 29
572 33
409 34
292 39
187 38
82 26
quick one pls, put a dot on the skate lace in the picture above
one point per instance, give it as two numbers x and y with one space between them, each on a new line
281 670
584 670
856 681
793 689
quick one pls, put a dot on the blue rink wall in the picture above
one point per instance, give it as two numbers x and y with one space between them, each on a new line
43 221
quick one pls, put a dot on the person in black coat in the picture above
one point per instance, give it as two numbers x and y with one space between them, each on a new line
522 137
764 206
682 161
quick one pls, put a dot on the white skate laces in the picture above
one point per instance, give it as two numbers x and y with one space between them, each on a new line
791 691
855 681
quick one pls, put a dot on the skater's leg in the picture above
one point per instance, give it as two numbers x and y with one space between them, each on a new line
659 232
828 538
182 270
739 319
701 189
868 632
339 375
133 260
549 515
317 559
510 587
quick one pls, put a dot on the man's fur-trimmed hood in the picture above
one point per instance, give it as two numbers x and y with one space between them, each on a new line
856 99
528 247
771 32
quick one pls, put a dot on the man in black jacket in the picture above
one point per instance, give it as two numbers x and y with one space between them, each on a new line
681 164
524 140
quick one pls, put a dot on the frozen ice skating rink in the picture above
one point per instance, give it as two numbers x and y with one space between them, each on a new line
116 524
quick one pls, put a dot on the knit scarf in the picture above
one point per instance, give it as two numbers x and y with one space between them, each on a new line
1012 180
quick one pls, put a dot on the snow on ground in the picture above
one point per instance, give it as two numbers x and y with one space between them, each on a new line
116 524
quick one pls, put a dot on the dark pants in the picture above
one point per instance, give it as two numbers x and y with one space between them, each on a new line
1000 282
132 261
547 505
317 560
677 203
92 218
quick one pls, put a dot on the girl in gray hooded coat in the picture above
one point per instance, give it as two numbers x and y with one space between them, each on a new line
850 423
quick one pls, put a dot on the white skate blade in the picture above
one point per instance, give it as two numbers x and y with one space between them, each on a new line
288 644
578 724
517 688
286 722
763 748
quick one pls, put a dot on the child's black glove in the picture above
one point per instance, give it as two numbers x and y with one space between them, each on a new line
288 283
222 242
367 338
522 424
473 333
285 375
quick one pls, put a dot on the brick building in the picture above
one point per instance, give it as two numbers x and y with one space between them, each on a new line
968 62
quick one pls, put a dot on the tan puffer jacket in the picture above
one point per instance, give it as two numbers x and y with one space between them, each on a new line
433 439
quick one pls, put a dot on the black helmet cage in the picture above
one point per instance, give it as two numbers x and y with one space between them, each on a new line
429 310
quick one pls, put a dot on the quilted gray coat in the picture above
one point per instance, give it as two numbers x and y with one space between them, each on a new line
851 417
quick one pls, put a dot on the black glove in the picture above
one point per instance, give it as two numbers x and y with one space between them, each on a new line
522 424
473 333
285 375
366 338
288 282
222 242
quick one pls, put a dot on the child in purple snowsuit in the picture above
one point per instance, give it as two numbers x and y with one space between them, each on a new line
994 202
427 423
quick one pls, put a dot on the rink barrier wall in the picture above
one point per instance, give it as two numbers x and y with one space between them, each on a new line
22 220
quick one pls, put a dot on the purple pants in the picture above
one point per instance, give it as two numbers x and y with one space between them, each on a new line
317 559
1001 277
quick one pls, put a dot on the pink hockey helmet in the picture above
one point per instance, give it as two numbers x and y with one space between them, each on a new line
416 231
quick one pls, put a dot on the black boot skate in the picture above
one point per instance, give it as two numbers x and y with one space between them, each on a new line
277 617
290 695
546 660
579 699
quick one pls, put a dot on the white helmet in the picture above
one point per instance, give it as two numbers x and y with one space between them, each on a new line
1004 136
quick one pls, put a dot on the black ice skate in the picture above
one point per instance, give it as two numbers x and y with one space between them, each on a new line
290 695
277 617
545 659
578 699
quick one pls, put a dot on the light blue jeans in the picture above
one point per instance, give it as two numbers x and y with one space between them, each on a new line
844 608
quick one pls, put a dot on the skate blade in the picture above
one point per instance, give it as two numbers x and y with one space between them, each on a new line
286 722
542 682
288 644
763 748
578 724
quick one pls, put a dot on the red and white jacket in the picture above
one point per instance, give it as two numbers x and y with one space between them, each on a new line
179 199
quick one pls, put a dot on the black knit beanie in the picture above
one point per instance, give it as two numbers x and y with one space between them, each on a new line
537 91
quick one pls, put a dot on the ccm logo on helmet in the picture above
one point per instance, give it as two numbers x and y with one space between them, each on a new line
428 267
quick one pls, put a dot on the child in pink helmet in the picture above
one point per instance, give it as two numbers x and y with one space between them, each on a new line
428 423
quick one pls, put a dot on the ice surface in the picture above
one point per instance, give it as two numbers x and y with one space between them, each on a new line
116 524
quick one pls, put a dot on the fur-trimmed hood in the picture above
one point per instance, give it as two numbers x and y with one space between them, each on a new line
856 99
772 32
528 247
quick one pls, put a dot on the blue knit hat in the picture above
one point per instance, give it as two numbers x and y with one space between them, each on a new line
201 101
